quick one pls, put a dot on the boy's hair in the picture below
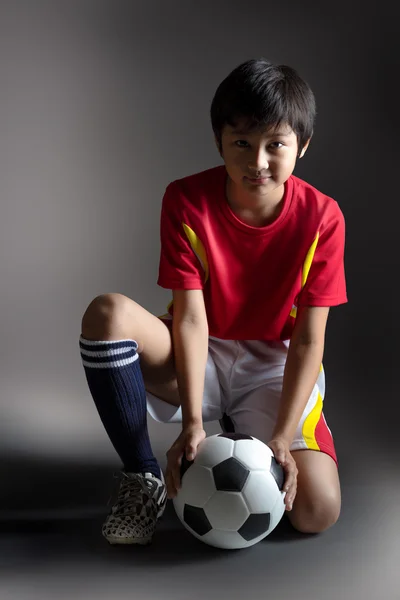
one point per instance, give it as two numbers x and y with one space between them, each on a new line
265 95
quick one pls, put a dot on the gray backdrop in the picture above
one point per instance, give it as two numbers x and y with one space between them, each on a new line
102 104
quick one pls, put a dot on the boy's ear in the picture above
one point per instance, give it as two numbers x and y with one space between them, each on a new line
304 150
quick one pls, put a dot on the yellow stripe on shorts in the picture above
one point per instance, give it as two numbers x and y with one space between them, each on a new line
310 424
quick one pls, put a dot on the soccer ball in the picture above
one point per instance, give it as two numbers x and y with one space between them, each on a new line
231 493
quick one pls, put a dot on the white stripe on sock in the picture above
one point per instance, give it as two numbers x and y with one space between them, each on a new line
102 342
122 362
107 352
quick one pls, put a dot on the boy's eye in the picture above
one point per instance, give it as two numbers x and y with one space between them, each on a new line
244 144
240 142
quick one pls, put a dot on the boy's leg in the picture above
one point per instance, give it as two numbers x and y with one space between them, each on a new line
117 317
317 504
257 383
120 343
125 349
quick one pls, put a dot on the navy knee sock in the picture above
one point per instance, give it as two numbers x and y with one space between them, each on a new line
116 383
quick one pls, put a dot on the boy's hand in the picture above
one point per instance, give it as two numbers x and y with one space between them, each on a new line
280 448
186 443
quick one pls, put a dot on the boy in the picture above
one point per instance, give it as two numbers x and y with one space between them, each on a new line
254 258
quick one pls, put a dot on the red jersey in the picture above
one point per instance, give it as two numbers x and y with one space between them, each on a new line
253 278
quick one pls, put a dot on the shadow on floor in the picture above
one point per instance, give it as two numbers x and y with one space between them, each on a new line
50 540
53 511
44 484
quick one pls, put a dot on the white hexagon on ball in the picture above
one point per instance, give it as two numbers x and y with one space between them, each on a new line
253 453
214 450
265 501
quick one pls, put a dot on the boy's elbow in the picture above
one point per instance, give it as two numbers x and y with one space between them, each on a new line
310 326
189 308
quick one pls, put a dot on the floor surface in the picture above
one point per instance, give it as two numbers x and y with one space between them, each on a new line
57 552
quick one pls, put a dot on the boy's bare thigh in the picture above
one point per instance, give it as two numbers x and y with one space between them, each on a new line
117 317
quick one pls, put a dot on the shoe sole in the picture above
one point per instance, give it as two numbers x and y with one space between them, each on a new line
130 541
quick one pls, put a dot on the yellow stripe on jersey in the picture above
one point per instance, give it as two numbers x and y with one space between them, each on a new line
310 424
312 419
198 249
308 260
306 269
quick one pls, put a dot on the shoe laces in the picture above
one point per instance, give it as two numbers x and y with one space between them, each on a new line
135 490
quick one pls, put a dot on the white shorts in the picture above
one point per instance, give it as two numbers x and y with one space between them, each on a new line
242 390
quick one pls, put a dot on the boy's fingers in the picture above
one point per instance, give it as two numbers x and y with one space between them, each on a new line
290 480
289 500
289 487
190 452
173 471
176 478
171 491
176 472
168 484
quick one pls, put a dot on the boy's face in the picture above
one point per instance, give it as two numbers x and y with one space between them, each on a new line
260 161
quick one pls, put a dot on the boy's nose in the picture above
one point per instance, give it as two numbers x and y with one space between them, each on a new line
258 169
259 163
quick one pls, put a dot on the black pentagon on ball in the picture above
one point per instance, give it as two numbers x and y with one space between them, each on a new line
196 518
230 475
277 473
255 526
235 436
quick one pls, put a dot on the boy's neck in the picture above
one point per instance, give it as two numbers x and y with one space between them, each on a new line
254 210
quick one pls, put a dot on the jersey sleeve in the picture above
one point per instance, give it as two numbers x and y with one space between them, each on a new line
326 283
179 267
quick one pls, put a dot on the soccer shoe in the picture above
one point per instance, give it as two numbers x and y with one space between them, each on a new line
141 501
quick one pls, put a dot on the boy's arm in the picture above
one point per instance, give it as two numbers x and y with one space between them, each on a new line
303 364
190 340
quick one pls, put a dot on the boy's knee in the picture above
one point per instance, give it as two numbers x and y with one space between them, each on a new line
315 518
100 314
